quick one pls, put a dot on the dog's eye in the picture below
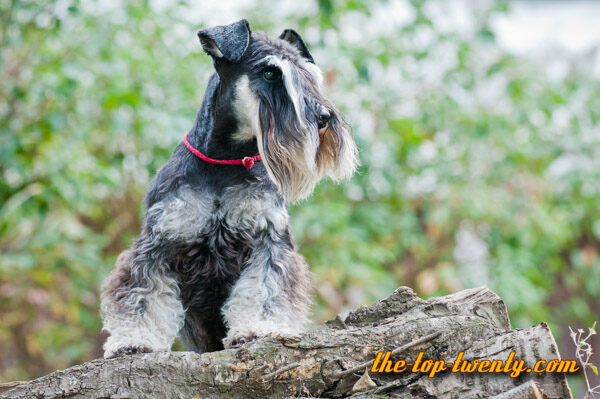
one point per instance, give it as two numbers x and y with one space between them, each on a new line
271 74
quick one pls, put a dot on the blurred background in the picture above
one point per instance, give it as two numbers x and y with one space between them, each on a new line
478 124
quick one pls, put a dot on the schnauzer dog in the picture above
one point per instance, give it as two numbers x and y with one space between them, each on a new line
216 261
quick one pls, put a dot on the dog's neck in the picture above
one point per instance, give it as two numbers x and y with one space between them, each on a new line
216 124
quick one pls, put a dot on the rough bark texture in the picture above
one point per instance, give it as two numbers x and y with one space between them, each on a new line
330 360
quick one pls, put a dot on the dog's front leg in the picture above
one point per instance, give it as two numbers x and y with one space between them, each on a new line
272 295
140 306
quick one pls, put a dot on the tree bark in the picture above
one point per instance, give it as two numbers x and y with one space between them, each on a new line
330 361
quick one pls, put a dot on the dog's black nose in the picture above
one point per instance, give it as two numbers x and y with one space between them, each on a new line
324 117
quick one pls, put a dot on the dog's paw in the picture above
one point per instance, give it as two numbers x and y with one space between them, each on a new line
129 350
237 340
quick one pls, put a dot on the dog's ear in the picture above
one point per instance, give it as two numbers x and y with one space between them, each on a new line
292 37
227 42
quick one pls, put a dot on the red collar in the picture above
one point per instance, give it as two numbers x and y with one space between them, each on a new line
248 162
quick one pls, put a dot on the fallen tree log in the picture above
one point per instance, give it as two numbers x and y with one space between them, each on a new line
335 360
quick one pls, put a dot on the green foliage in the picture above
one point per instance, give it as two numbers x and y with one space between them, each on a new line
477 168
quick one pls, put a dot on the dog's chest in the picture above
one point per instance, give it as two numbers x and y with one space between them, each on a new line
192 216
208 239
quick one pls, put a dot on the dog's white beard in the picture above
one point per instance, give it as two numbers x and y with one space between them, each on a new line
292 168
296 169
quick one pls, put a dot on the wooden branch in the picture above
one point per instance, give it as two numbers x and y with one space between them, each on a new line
329 360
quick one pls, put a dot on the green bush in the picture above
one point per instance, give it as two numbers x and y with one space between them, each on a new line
477 168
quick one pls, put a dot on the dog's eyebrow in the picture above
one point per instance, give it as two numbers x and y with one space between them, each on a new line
263 64
290 82
315 71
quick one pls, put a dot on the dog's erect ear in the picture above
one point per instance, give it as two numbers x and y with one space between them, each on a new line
227 42
292 37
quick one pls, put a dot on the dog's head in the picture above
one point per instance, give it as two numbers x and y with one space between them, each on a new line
274 89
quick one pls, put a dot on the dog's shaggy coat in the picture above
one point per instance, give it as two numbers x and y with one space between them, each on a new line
216 261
